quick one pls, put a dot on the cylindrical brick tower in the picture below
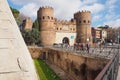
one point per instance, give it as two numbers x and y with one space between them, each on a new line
83 23
46 23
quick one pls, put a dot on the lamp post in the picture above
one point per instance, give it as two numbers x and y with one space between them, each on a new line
87 35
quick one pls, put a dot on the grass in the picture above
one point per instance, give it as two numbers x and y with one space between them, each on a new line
44 71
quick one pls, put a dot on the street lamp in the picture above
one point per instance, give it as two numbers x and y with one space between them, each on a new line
88 40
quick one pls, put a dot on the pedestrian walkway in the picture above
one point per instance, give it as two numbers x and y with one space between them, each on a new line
105 52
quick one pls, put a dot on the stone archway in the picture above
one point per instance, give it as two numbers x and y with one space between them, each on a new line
65 40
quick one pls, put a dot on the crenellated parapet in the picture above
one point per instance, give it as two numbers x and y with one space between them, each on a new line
49 25
83 11
66 22
80 13
83 16
45 7
45 13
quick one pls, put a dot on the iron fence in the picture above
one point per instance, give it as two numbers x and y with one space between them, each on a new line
110 71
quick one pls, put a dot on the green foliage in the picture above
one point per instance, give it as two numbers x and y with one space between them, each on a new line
36 25
39 70
31 36
15 12
44 71
104 27
35 34
100 27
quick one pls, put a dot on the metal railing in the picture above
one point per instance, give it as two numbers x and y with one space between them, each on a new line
95 51
110 71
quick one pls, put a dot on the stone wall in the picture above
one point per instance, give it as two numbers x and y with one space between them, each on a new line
77 66
60 36
45 17
49 25
27 24
83 21
65 26
35 52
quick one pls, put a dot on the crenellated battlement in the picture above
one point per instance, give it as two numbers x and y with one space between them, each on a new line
49 25
45 7
82 12
46 13
65 22
62 21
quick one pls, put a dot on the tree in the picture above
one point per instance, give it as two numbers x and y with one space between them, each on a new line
15 12
104 27
101 27
36 25
19 17
35 34
31 36
27 37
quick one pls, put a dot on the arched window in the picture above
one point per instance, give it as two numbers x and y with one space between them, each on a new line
88 21
52 18
48 17
43 17
65 40
60 28
84 21
73 29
